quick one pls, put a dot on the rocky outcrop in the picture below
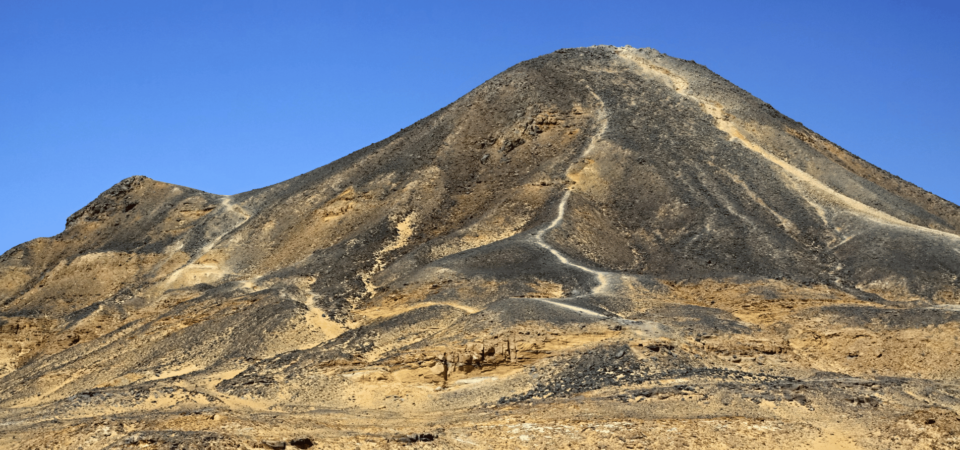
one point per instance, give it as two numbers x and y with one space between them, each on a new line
611 231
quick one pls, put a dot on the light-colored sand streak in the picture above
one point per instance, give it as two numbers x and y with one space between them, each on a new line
946 307
602 277
577 309
728 124
605 280
225 205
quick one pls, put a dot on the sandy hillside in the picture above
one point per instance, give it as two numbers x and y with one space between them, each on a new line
598 248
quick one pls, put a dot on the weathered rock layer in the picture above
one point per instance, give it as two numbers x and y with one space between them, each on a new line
609 230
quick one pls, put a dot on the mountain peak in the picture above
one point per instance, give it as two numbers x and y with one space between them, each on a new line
605 224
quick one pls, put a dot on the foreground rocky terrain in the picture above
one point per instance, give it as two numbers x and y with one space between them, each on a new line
598 248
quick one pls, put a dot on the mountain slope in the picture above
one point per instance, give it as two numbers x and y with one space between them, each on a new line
586 204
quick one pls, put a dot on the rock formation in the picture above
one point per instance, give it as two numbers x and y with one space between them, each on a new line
598 247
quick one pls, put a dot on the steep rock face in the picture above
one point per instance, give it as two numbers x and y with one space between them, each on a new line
575 203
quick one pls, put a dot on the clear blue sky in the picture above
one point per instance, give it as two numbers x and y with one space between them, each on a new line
228 96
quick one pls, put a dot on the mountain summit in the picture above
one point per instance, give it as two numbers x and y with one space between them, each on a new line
596 246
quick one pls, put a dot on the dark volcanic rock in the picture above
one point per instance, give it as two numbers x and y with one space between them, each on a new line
594 225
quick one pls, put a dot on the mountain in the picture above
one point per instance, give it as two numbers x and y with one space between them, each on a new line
600 246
